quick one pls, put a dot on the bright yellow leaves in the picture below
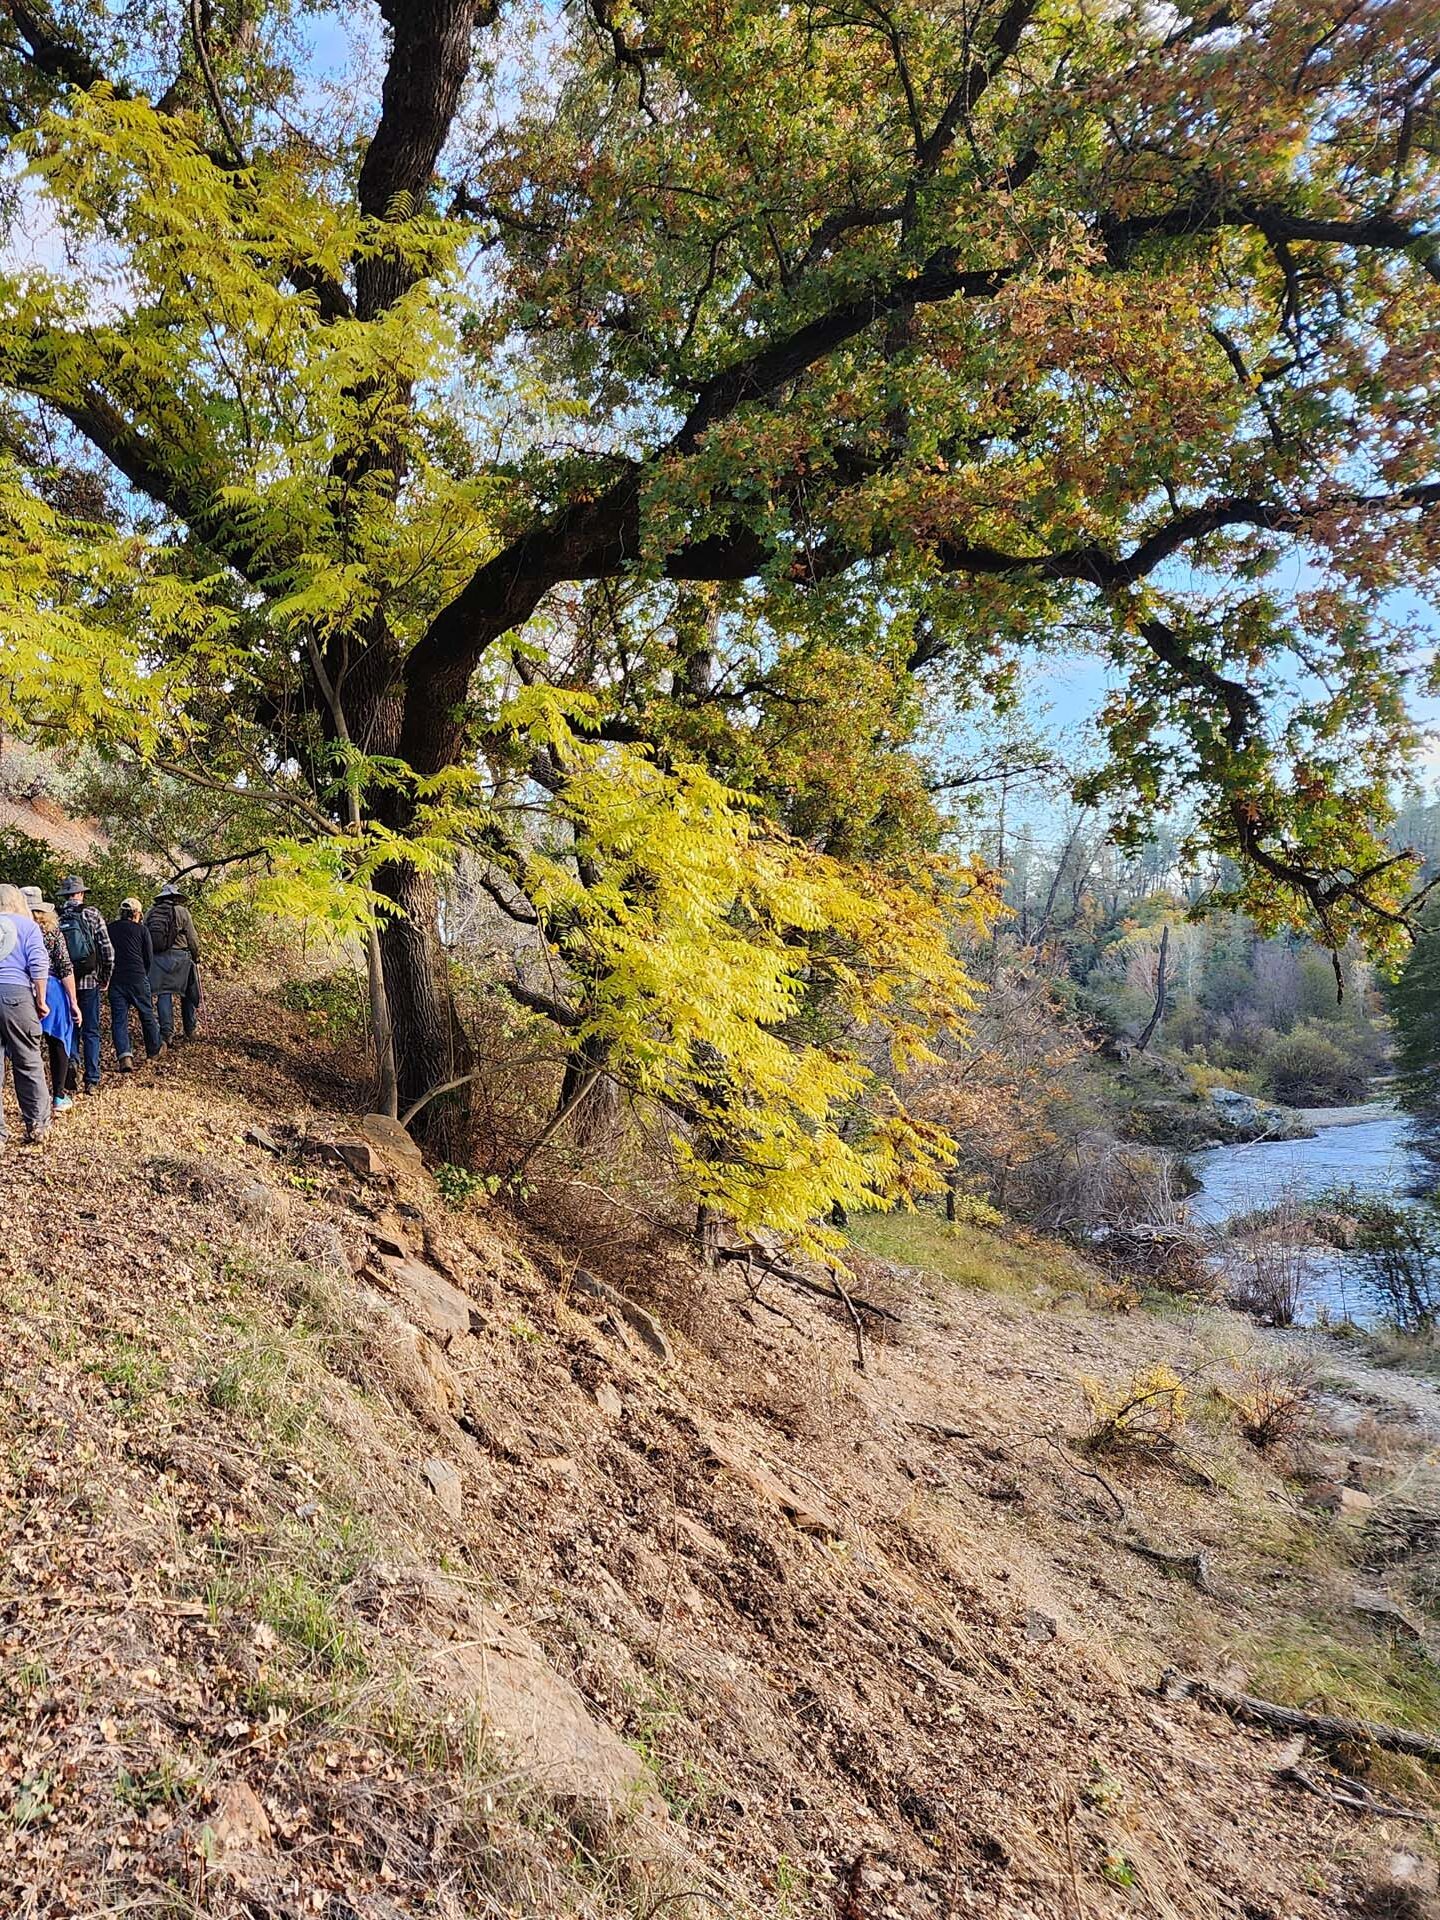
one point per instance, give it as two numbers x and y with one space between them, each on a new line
748 983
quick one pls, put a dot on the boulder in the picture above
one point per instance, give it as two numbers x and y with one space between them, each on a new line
423 1377
803 1511
607 1398
355 1156
1416 1873
391 1235
1330 1496
238 1821
391 1141
540 1722
445 1483
643 1324
426 1297
319 1244
262 1206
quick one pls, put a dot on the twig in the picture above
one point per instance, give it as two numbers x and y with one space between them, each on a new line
1087 1473
756 1256
854 1321
928 1673
1196 1564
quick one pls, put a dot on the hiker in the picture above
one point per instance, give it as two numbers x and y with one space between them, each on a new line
175 969
62 1022
24 980
93 958
130 985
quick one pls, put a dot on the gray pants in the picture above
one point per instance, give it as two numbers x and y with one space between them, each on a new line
23 1048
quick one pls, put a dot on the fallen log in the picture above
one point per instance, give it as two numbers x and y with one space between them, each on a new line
1325 1727
1194 1565
781 1270
1343 1791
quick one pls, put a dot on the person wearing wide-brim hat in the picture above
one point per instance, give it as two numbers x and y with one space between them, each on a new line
90 950
175 969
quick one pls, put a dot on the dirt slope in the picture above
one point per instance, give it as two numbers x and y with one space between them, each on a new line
362 1562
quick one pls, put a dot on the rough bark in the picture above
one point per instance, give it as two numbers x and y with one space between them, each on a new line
430 1044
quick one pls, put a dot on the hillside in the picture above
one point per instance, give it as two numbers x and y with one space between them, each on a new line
363 1560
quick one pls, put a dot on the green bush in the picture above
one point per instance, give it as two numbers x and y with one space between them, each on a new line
28 862
1396 1247
1314 1066
335 1003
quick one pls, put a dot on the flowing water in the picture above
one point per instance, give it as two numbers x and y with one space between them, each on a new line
1369 1147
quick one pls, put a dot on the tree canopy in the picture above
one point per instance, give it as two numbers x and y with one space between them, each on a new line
613 438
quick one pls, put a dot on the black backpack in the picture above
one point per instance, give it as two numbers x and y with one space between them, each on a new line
161 920
79 942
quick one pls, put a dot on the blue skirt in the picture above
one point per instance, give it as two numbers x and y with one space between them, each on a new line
59 1022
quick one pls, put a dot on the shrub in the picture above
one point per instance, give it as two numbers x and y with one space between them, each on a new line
1146 1415
1271 1402
1397 1250
27 862
335 1004
459 1186
1270 1263
1317 1066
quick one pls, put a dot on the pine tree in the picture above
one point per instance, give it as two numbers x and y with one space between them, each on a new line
1414 998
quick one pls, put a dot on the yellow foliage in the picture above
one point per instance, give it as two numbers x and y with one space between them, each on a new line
704 939
1148 1413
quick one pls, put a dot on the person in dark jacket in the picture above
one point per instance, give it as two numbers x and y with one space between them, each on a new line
89 946
130 985
175 969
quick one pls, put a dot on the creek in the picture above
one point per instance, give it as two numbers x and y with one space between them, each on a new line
1370 1147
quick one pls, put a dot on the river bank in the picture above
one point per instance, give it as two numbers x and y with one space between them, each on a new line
1370 1151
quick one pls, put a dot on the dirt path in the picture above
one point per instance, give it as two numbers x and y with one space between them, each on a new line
1366 1381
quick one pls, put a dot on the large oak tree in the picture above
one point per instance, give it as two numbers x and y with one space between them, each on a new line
770 375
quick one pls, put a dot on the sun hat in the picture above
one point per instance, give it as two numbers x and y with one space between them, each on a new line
34 897
68 889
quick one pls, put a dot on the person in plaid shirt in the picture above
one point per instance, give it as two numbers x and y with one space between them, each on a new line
94 957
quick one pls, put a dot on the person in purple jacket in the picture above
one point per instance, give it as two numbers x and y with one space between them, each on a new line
24 984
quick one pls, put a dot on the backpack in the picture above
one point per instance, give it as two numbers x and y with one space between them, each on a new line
79 942
161 921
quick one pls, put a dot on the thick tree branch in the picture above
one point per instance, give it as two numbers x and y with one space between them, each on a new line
594 538
430 55
50 52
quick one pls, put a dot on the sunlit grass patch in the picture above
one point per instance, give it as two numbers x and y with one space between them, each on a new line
974 1256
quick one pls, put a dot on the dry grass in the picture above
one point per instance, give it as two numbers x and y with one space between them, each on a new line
214 1478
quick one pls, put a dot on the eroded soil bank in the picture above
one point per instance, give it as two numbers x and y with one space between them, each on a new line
361 1561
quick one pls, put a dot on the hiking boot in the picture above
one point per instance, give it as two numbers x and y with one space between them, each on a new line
127 1063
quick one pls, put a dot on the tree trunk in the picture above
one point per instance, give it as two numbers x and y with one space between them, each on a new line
588 1096
1161 987
387 1087
430 1043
